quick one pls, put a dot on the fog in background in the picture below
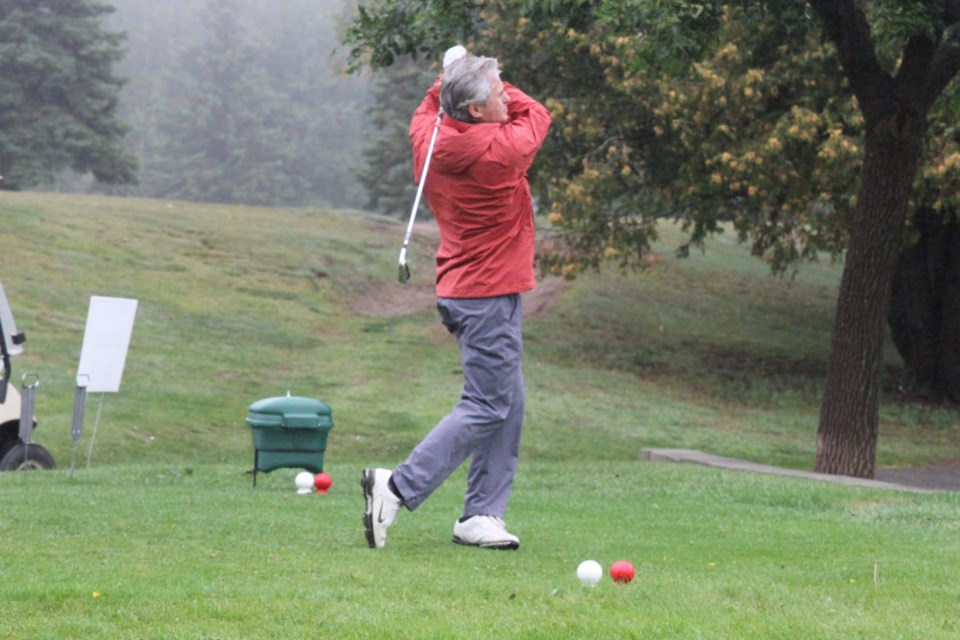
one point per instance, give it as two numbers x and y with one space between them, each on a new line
239 101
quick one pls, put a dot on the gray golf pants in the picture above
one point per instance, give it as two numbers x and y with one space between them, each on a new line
486 424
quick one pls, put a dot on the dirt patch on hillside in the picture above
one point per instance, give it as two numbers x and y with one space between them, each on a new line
548 291
387 299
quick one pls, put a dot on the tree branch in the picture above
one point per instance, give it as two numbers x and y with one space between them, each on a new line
915 66
847 27
944 65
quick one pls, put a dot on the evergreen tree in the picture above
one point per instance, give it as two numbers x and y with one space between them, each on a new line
221 138
58 93
297 100
322 118
388 174
157 35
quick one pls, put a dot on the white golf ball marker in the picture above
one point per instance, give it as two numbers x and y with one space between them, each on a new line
304 482
589 572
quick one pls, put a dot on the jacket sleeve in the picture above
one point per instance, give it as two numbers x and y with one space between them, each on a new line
526 129
421 127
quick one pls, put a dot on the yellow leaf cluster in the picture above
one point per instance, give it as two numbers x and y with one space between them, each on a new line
729 53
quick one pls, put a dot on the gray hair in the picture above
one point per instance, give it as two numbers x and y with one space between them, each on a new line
466 81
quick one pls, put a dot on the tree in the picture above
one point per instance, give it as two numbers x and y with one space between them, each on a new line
895 107
388 173
753 140
924 314
322 115
737 114
222 142
156 34
58 93
306 113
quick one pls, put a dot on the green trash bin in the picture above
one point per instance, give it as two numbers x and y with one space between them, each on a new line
289 431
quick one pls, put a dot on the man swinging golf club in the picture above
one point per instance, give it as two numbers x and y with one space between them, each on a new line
477 189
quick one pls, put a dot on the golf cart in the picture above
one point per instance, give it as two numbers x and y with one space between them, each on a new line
17 452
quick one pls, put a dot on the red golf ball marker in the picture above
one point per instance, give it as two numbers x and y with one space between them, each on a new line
322 482
622 572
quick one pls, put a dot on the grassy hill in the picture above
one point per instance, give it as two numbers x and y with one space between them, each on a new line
162 537
238 303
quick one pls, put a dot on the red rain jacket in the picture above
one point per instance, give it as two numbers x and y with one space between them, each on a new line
477 189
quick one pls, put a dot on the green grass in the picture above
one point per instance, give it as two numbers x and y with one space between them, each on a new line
148 551
162 536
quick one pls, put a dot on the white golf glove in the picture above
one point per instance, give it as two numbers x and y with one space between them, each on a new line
453 53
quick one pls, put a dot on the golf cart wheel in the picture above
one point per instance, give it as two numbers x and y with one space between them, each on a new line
7 444
24 457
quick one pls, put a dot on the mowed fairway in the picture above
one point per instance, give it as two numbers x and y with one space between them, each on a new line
142 552
162 535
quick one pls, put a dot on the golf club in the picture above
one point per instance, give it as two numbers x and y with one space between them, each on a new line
404 267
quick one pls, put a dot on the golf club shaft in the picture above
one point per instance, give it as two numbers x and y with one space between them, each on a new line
404 269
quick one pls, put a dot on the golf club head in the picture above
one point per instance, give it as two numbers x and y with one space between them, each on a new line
404 272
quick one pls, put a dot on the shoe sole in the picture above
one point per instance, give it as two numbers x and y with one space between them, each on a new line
366 482
500 546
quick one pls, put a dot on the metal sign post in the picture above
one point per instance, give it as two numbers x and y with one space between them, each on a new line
93 436
76 424
28 401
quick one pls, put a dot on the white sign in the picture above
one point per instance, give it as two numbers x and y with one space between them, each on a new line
105 342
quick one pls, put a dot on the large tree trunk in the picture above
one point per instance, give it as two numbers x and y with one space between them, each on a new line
849 415
924 313
895 110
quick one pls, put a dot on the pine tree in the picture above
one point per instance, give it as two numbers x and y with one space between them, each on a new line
323 109
222 139
388 174
58 94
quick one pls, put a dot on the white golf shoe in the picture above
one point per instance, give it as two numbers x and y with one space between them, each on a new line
488 532
382 506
